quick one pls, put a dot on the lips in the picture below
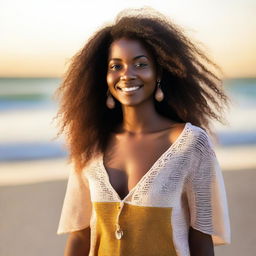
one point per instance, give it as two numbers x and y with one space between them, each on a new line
130 88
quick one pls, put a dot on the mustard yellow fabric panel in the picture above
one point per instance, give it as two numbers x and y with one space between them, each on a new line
147 230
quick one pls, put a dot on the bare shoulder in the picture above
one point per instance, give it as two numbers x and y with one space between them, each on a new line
176 131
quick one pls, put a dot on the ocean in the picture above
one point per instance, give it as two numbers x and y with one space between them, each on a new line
28 132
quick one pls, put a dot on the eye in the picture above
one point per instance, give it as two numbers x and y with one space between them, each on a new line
115 67
141 65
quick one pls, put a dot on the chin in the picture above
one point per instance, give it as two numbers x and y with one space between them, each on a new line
129 104
135 101
132 103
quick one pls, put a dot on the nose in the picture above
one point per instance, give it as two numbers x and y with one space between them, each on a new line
127 74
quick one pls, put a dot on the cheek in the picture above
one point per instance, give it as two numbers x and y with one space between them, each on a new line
149 76
110 79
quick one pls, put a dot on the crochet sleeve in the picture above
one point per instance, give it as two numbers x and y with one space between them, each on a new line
206 194
76 210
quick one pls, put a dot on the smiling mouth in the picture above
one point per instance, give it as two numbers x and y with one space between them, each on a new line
129 89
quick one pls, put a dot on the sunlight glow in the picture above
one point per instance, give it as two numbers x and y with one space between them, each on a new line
39 37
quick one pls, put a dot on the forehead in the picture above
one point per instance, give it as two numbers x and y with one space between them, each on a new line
127 48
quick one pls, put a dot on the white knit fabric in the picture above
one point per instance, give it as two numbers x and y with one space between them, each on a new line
186 177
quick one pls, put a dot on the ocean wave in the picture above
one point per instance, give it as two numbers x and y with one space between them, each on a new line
31 151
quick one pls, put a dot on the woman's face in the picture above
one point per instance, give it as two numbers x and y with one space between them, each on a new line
131 75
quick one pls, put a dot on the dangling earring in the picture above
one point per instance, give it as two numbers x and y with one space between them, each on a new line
110 101
159 95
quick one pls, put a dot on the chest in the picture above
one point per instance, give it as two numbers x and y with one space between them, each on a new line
127 161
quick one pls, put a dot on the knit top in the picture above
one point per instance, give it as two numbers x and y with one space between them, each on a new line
183 188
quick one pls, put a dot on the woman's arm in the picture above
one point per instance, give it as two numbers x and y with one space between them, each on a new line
78 243
200 244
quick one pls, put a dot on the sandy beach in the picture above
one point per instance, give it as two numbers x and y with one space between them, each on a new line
31 197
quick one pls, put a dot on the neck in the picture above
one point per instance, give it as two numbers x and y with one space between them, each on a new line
142 119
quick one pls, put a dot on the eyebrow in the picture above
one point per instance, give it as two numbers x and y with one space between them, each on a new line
135 58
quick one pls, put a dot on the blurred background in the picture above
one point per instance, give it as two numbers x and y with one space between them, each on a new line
38 39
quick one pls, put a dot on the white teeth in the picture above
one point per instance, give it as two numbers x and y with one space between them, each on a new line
129 89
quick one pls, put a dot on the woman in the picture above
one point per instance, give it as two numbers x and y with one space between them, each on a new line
136 102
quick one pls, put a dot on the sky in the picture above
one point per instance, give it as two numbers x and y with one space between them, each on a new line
38 38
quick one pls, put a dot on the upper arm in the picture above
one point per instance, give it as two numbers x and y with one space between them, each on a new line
206 194
77 206
78 243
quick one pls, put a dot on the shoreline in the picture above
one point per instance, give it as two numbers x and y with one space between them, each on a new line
35 171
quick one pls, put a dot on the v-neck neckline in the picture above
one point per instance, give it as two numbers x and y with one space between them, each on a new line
147 173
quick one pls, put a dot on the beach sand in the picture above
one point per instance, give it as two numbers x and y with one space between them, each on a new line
30 209
29 217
